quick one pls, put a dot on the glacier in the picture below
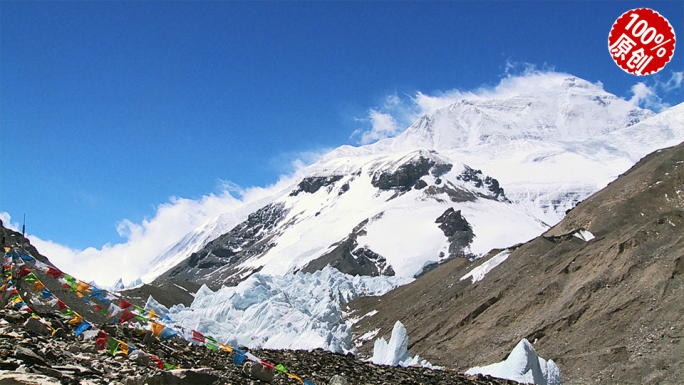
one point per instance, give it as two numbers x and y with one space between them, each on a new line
294 311
524 366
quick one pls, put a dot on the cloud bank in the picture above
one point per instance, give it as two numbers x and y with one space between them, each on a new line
150 238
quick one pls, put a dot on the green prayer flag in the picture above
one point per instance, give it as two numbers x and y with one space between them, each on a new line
66 312
280 368
168 366
71 280
112 345
212 339
212 347
142 319
31 278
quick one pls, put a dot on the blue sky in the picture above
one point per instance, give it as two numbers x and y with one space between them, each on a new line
111 109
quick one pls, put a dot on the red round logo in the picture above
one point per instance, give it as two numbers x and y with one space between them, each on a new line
641 41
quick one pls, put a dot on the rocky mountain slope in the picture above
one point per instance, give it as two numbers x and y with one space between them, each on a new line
600 293
380 215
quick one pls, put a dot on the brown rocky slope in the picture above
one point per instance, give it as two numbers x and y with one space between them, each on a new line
608 310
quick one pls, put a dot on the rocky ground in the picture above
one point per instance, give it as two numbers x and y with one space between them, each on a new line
30 357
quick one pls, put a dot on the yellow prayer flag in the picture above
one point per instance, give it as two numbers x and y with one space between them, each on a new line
77 319
157 328
82 286
226 347
78 293
123 347
38 286
152 314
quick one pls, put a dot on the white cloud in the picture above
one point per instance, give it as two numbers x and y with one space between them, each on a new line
675 82
646 97
152 237
7 221
383 126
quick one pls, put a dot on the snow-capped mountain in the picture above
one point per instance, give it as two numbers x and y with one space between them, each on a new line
480 172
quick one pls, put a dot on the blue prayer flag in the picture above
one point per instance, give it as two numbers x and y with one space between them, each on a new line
83 326
167 334
238 357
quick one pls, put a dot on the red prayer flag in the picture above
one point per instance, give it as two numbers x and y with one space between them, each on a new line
160 364
266 364
97 308
61 304
197 336
23 272
125 304
101 341
126 316
54 272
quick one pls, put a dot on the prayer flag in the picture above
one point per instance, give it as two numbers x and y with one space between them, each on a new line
212 347
124 348
253 358
46 293
268 365
308 383
83 326
126 316
71 281
167 334
27 257
41 266
125 304
54 272
168 366
280 368
226 347
197 336
160 365
38 286
77 318
156 328
152 314
238 357
23 272
112 345
82 286
31 277
61 304
101 340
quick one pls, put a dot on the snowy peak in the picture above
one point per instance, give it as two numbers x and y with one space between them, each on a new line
398 213
571 110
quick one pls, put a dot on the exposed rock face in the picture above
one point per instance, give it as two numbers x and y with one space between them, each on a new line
458 231
600 293
350 259
476 176
407 175
217 262
312 184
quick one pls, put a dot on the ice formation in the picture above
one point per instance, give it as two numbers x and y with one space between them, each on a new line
524 366
294 311
395 351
